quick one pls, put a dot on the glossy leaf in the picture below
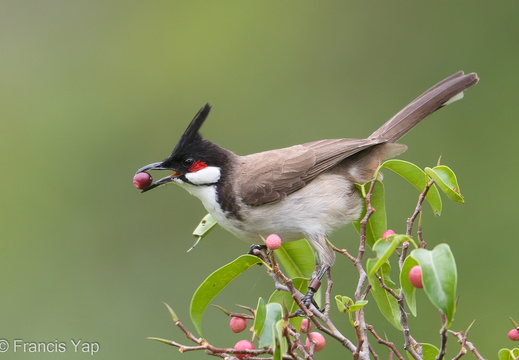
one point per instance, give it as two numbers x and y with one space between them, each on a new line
259 317
343 303
377 222
418 178
267 335
429 352
204 227
384 249
215 283
446 180
347 305
297 258
408 289
280 341
285 299
439 277
508 354
386 302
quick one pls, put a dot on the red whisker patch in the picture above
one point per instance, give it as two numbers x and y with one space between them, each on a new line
198 165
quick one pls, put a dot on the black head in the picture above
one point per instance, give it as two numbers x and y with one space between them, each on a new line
194 160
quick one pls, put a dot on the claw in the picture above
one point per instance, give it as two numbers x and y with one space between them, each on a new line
256 249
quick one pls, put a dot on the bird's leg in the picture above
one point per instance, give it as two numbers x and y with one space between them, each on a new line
314 285
256 249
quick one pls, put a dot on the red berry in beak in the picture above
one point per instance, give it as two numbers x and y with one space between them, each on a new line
142 180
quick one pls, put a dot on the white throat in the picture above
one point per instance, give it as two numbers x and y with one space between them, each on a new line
206 176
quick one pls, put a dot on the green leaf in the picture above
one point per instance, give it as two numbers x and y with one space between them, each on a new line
285 299
408 289
445 178
280 341
377 222
439 277
418 178
267 335
203 228
385 248
343 303
297 258
346 305
215 283
508 354
386 302
430 352
259 317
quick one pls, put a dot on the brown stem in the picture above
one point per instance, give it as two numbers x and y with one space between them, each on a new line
386 343
418 209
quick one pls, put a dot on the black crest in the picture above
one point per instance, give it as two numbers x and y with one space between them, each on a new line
192 135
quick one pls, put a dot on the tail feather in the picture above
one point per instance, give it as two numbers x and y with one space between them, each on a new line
441 94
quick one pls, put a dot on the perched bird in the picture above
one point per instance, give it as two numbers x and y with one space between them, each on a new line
303 191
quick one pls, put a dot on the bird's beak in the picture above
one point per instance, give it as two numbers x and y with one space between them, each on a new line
164 180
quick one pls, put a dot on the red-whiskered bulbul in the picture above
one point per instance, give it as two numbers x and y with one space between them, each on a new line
303 191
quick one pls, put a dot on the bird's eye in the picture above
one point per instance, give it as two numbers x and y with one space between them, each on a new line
188 162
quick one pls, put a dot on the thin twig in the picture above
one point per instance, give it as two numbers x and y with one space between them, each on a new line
327 294
462 339
385 343
443 336
418 209
362 351
345 253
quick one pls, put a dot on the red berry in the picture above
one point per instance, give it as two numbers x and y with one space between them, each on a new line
513 335
316 338
243 345
415 277
237 324
273 241
306 326
387 234
142 180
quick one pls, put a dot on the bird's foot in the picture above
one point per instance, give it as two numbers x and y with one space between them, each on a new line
308 298
256 250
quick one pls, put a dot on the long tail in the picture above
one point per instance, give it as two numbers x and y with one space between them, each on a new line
441 94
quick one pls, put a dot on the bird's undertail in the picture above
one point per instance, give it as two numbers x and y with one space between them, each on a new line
441 94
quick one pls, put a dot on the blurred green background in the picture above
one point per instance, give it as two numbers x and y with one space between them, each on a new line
92 90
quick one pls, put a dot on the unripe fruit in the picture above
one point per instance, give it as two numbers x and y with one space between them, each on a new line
306 326
415 277
142 180
273 241
242 345
513 335
237 324
387 234
316 338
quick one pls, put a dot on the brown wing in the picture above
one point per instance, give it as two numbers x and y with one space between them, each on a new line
271 175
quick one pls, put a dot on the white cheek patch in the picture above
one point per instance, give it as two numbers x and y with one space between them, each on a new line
206 176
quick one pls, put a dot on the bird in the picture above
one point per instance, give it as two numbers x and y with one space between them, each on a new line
303 191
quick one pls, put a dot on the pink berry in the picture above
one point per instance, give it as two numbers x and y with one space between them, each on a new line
273 241
316 338
513 335
306 326
415 277
387 234
142 180
237 324
243 345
